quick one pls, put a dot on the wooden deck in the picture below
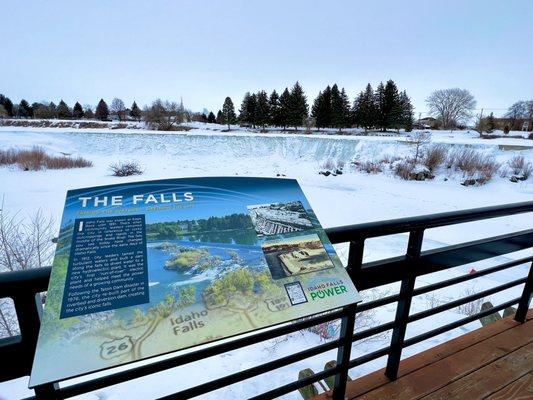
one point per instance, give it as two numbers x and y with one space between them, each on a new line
494 362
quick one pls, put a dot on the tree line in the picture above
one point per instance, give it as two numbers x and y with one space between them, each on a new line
50 110
383 108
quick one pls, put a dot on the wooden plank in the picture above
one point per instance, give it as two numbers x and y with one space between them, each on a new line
520 389
376 379
445 371
490 378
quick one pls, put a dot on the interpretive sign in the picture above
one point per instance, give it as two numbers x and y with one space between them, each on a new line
142 269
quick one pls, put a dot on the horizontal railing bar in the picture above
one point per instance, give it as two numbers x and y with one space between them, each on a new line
13 283
369 357
456 324
251 372
372 331
290 387
467 277
381 228
161 365
369 305
467 299
378 273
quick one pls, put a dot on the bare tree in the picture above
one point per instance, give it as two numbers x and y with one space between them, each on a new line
451 106
25 244
164 114
118 108
520 111
8 319
419 139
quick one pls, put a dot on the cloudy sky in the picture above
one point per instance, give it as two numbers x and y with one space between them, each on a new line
206 50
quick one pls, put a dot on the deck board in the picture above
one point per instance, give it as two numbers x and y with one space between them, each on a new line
492 377
445 371
522 389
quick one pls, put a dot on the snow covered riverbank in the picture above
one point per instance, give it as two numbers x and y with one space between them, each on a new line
350 198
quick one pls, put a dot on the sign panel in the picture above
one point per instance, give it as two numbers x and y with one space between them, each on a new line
142 269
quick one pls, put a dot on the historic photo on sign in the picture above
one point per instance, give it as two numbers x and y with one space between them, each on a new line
278 218
295 256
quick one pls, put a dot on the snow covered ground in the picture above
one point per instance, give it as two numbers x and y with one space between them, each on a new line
350 198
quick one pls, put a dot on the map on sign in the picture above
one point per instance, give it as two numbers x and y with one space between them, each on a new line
146 268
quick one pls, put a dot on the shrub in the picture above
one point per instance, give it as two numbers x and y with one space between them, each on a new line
67 162
434 156
329 164
126 168
520 166
403 169
37 159
488 167
370 167
473 164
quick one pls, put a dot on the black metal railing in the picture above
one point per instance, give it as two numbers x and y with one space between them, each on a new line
24 288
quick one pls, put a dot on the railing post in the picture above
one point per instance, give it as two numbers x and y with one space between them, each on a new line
523 305
46 392
414 247
355 259
344 352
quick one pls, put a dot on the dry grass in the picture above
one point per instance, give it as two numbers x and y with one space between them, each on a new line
126 168
370 167
434 157
37 159
403 169
473 164
328 165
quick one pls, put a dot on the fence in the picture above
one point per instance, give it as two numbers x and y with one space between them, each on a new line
24 288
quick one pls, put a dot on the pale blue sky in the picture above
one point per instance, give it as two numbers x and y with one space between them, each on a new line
206 50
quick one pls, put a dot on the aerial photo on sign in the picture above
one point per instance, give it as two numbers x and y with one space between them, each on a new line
145 268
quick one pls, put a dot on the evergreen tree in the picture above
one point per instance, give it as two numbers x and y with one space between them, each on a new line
340 108
379 104
3 112
25 110
102 111
63 111
284 104
77 111
135 111
298 108
491 124
364 110
228 113
262 114
248 111
406 110
275 109
52 110
392 111
7 103
316 109
220 117
321 110
211 118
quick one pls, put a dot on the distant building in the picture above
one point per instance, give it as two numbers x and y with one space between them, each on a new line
426 123
514 124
